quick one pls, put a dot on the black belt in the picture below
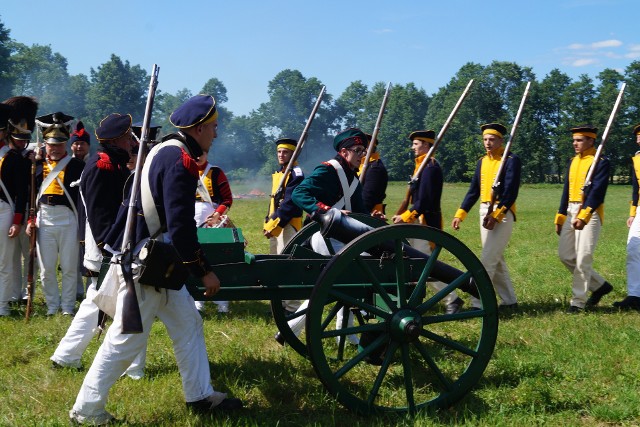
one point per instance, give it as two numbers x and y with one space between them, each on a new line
54 200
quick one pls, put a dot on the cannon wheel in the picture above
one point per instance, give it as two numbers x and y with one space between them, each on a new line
281 316
414 357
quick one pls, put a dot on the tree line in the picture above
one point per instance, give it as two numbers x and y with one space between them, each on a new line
245 144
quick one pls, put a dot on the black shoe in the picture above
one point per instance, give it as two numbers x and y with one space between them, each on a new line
597 295
205 406
454 307
573 309
629 303
279 338
507 308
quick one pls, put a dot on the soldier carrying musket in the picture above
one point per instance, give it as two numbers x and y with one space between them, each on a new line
17 121
496 229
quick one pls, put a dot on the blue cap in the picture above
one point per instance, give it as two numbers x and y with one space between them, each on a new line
200 109
113 126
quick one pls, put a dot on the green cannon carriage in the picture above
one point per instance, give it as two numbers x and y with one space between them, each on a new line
412 356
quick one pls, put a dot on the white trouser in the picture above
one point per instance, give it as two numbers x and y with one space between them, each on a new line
494 242
183 322
58 241
21 266
297 325
82 330
424 247
7 248
575 250
633 258
276 245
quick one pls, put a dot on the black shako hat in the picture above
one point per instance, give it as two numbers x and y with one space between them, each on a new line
494 129
80 134
587 130
423 135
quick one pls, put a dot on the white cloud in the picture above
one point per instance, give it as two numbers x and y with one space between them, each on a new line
633 54
383 31
606 43
576 46
584 62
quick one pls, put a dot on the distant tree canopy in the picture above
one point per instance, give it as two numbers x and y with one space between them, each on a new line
246 143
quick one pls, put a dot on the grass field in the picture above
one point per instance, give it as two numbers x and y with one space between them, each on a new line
548 368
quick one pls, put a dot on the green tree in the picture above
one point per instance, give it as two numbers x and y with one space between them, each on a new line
41 73
6 64
117 87
547 99
577 109
291 99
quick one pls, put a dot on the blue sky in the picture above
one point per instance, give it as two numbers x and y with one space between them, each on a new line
246 43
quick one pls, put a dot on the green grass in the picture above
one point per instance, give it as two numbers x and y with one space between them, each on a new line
548 368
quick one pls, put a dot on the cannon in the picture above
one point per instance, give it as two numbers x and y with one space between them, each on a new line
412 356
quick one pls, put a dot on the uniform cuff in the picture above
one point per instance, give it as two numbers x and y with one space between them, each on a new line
585 215
271 226
409 216
17 219
499 214
560 219
322 207
460 213
632 210
222 209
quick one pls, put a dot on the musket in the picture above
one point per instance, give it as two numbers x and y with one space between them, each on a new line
33 237
131 319
374 135
605 136
277 195
416 176
507 149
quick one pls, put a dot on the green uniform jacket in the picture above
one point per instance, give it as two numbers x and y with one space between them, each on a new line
322 189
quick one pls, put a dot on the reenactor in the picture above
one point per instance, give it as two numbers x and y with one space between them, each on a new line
284 218
57 219
213 201
333 185
579 220
632 300
497 211
80 141
375 183
101 187
172 181
426 203
17 121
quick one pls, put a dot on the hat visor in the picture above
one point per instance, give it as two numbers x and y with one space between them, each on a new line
55 141
21 136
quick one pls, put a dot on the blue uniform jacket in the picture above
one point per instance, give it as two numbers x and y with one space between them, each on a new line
173 178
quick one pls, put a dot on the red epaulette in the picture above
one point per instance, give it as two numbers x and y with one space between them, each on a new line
104 162
189 164
327 164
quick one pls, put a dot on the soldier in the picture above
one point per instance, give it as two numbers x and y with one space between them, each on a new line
495 228
172 177
57 219
284 218
426 203
79 143
374 186
632 300
578 221
101 187
213 200
14 174
333 185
